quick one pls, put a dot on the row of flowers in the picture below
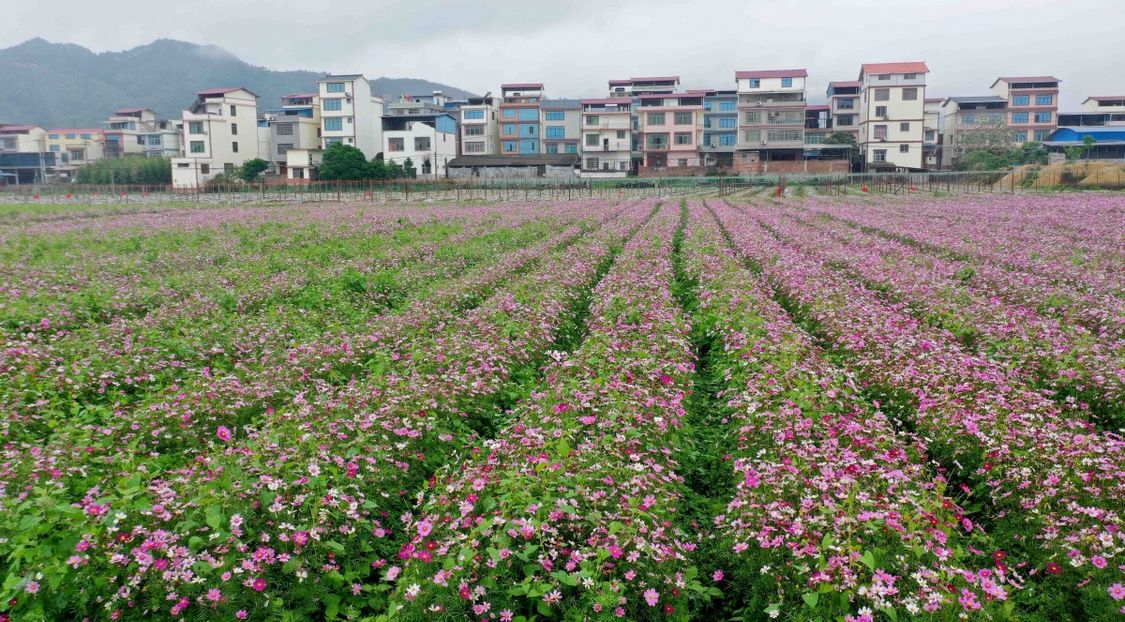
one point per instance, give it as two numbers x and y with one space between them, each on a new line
834 512
298 508
1065 359
1050 483
571 510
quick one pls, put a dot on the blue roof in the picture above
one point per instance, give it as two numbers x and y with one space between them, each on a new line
1076 134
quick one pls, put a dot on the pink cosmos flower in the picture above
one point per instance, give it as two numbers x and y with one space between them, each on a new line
615 551
717 576
32 587
392 573
425 527
259 584
223 433
1117 591
506 615
241 614
587 419
553 597
1098 561
651 597
214 594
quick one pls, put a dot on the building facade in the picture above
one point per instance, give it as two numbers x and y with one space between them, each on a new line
607 137
295 126
931 133
633 88
561 122
421 132
24 158
75 147
350 114
771 114
137 131
971 123
843 102
1098 111
220 133
479 127
892 114
1031 104
671 126
720 128
520 128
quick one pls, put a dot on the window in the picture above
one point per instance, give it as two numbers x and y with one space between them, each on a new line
474 147
786 83
228 167
1021 100
284 129
422 143
784 135
969 118
883 76
904 148
571 148
621 166
656 118
555 115
752 136
845 103
528 114
727 140
556 132
880 132
1042 117
182 164
333 124
882 95
593 140
752 118
84 136
1041 135
682 118
335 87
844 120
592 119
620 134
195 127
785 117
474 130
53 136
904 126
70 136
1020 136
234 129
728 122
591 164
552 148
531 130
233 110
726 106
656 141
909 76
471 115
283 148
880 111
1019 117
333 141
154 140
880 155
198 146
55 148
234 147
509 146
205 169
681 162
396 144
333 105
1044 100
683 138
140 140
755 83
910 94
509 113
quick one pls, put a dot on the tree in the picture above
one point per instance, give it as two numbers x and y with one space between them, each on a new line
126 170
251 169
1079 152
344 162
408 168
855 157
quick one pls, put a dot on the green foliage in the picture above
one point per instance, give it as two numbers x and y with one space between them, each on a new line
846 138
1079 152
999 158
127 170
251 169
344 162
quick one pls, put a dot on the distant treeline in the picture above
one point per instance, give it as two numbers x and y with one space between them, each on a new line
127 170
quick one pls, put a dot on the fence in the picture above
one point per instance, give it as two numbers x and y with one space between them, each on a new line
545 189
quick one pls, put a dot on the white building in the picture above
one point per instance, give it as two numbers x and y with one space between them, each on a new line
350 114
137 131
429 141
220 133
931 133
892 114
607 141
480 132
295 126
300 164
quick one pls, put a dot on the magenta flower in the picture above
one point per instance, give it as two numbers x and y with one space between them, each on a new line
651 597
1117 591
258 585
223 432
214 594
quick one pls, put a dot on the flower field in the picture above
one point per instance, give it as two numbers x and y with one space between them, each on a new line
819 409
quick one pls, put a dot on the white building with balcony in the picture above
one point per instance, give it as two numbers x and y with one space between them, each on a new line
607 140
771 114
220 132
137 131
892 114
350 114
480 131
295 126
427 139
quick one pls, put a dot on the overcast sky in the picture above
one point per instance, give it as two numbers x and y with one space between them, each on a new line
574 46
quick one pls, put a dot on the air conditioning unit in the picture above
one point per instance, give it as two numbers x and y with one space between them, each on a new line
764 141
758 103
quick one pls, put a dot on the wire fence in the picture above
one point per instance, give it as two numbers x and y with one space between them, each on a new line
524 189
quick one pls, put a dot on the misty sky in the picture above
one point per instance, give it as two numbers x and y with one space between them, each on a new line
574 46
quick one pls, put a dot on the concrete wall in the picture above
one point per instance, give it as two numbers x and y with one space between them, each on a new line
512 172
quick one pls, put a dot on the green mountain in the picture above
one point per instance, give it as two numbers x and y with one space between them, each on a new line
67 85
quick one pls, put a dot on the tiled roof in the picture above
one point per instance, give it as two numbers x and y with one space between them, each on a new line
905 67
224 90
771 73
845 83
620 101
1010 79
18 128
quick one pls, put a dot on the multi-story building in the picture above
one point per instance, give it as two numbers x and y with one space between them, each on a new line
671 126
1032 105
1099 111
931 133
24 158
720 128
220 133
561 125
962 117
607 142
419 129
137 131
634 88
843 101
520 129
771 111
295 126
350 114
480 130
75 147
892 114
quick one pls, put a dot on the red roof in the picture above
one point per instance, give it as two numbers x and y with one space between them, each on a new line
817 107
656 79
619 82
907 67
845 83
772 73
608 100
522 85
